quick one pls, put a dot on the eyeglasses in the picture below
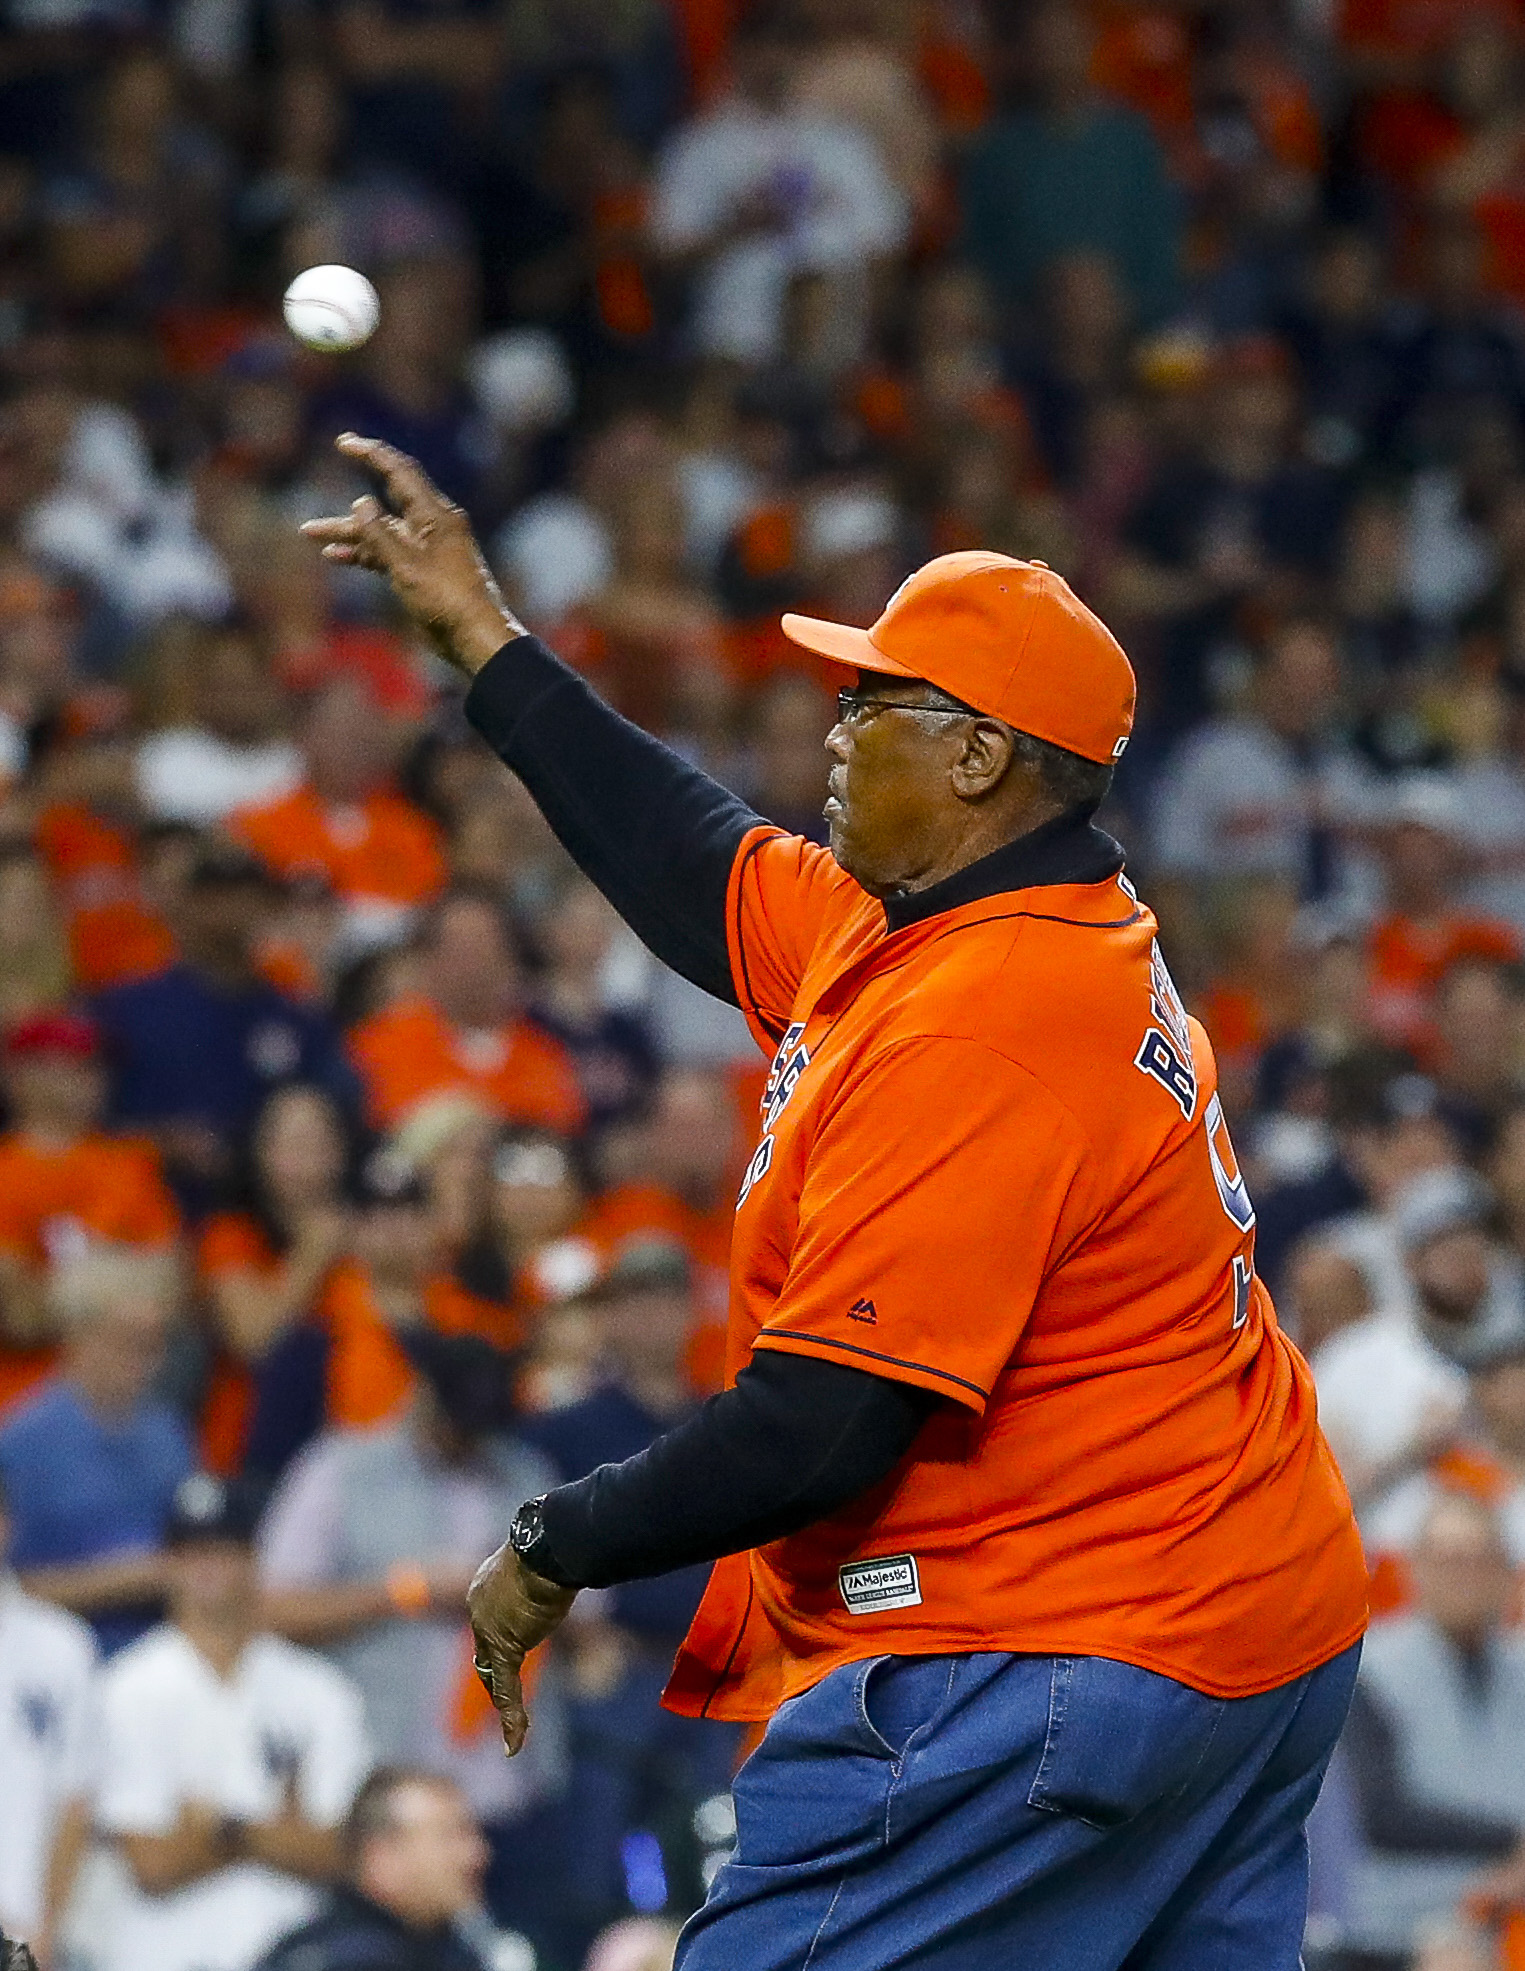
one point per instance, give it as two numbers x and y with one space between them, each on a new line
855 711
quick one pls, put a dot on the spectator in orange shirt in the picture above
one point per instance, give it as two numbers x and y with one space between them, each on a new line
64 1184
380 854
1423 934
688 1157
263 1268
466 1032
348 1369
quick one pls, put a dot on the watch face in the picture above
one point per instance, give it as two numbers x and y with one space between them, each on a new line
525 1530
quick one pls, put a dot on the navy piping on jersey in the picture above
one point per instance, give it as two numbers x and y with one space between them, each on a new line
874 1355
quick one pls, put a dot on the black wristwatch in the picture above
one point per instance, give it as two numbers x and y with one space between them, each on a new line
527 1536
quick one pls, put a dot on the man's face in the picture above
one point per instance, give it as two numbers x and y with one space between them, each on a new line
396 1241
57 1088
1462 1573
427 1865
472 969
647 1330
1499 1396
1300 683
1451 1273
213 1582
887 800
235 696
116 1356
221 922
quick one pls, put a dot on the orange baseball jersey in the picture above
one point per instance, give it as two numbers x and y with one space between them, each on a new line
409 1051
102 1187
114 935
382 850
369 1377
993 1163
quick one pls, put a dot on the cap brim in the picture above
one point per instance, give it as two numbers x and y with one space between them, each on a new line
842 643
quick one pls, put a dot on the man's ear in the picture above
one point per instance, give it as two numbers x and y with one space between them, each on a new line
984 761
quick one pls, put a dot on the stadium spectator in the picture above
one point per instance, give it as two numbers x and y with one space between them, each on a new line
1392 1387
345 823
64 1183
369 1545
757 189
588 996
682 1183
47 1668
34 962
1475 1059
194 1050
1421 932
635 1766
91 1460
1272 789
263 1266
1069 170
1438 1715
413 1867
466 1030
635 1943
226 1763
233 750
408 383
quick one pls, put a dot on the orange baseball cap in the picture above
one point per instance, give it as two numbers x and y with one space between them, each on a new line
1009 637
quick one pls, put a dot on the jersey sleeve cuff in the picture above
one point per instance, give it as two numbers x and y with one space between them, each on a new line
894 1368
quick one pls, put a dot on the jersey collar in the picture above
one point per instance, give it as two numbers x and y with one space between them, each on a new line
1068 849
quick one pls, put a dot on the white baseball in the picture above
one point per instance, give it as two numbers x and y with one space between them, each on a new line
332 308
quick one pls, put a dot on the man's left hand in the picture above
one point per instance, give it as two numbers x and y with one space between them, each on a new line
512 1609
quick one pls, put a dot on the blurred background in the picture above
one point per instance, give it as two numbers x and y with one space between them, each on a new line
361 1176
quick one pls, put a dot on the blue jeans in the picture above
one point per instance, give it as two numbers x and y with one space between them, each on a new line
1023 1813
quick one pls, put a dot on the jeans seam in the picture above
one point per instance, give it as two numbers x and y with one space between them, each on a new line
836 1897
1061 1676
898 1766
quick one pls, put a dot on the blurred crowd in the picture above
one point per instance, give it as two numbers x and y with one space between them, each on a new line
360 1175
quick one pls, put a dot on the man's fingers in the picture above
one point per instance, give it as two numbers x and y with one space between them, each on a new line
409 487
500 1679
363 537
508 1696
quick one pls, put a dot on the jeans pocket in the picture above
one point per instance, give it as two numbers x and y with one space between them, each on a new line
897 1696
1120 1740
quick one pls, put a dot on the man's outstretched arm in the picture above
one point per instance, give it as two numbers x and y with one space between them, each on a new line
655 834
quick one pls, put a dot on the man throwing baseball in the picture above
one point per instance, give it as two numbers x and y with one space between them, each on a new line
1027 1541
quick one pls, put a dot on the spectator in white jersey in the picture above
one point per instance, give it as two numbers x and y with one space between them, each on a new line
227 1761
47 1661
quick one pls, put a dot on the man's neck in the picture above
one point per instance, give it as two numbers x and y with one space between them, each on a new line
106 1409
52 1138
223 971
1068 848
221 1644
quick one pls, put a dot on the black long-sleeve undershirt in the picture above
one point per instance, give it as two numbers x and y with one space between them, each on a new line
793 1441
796 1438
655 834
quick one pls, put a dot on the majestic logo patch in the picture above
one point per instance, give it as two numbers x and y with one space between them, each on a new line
863 1310
870 1585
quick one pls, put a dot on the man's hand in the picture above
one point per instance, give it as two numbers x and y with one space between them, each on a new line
426 551
511 1610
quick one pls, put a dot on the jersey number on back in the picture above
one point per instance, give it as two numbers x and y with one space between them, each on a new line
1165 1054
